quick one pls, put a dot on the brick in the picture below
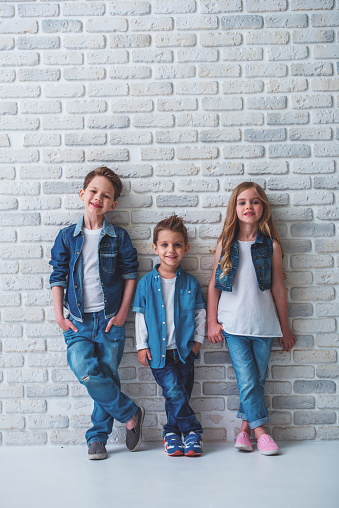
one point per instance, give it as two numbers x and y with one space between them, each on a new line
328 339
314 387
285 150
294 433
312 36
311 101
297 5
293 402
217 39
325 371
315 357
312 230
151 24
173 72
316 167
24 438
281 53
258 70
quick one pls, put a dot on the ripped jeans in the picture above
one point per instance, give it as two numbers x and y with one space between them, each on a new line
94 357
176 380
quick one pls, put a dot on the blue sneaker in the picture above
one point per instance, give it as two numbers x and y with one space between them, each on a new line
193 445
173 445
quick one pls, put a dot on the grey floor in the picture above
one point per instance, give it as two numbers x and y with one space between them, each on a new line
305 475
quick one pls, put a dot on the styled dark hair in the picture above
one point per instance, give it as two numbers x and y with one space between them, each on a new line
231 226
173 223
107 173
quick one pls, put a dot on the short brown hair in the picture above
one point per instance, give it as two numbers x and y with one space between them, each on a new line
173 223
107 173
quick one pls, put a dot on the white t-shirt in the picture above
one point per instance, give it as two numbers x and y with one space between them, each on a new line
246 310
93 294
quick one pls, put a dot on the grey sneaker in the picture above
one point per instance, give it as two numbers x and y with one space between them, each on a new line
133 437
97 451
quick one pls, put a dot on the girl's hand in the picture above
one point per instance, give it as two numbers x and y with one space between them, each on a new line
288 340
114 321
214 333
66 324
143 356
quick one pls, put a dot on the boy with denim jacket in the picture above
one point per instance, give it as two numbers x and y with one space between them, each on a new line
96 264
170 328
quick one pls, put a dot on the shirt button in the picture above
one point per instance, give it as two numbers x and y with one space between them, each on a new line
78 252
189 291
163 323
163 356
78 304
163 339
159 289
75 287
162 306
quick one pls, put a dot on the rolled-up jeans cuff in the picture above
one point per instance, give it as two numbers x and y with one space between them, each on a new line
255 423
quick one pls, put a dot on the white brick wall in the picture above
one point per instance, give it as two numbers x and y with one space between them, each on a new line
184 99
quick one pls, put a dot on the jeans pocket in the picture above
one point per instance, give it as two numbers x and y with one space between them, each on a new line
193 355
116 333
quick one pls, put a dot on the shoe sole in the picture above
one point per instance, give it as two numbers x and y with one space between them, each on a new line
177 453
243 448
140 432
273 452
191 453
98 456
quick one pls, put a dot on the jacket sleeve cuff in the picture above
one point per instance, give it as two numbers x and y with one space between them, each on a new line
132 275
199 306
138 309
142 346
62 283
199 338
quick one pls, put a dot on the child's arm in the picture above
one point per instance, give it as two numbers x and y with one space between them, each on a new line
214 328
58 298
199 330
120 318
280 300
141 338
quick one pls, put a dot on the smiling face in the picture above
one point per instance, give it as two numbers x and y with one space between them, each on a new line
249 206
170 248
98 197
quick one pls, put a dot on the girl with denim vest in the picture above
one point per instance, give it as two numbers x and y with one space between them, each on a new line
247 304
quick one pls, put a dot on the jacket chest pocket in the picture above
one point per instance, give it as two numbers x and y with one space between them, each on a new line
108 261
187 299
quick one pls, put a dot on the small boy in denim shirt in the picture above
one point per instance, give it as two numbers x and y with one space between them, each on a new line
97 265
170 328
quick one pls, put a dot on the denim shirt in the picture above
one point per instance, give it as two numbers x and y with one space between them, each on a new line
117 261
261 251
187 299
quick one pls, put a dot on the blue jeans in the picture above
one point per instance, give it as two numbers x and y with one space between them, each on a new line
176 380
94 357
250 357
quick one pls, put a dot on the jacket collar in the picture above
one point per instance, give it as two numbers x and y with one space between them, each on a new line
156 273
107 228
259 238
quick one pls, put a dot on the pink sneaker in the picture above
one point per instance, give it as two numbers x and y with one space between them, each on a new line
243 442
267 446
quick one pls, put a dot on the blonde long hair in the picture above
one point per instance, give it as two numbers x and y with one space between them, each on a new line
231 224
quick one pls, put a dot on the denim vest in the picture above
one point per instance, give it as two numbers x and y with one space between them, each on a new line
117 261
261 251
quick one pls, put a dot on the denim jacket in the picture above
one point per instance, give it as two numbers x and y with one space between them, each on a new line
117 261
261 251
187 299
